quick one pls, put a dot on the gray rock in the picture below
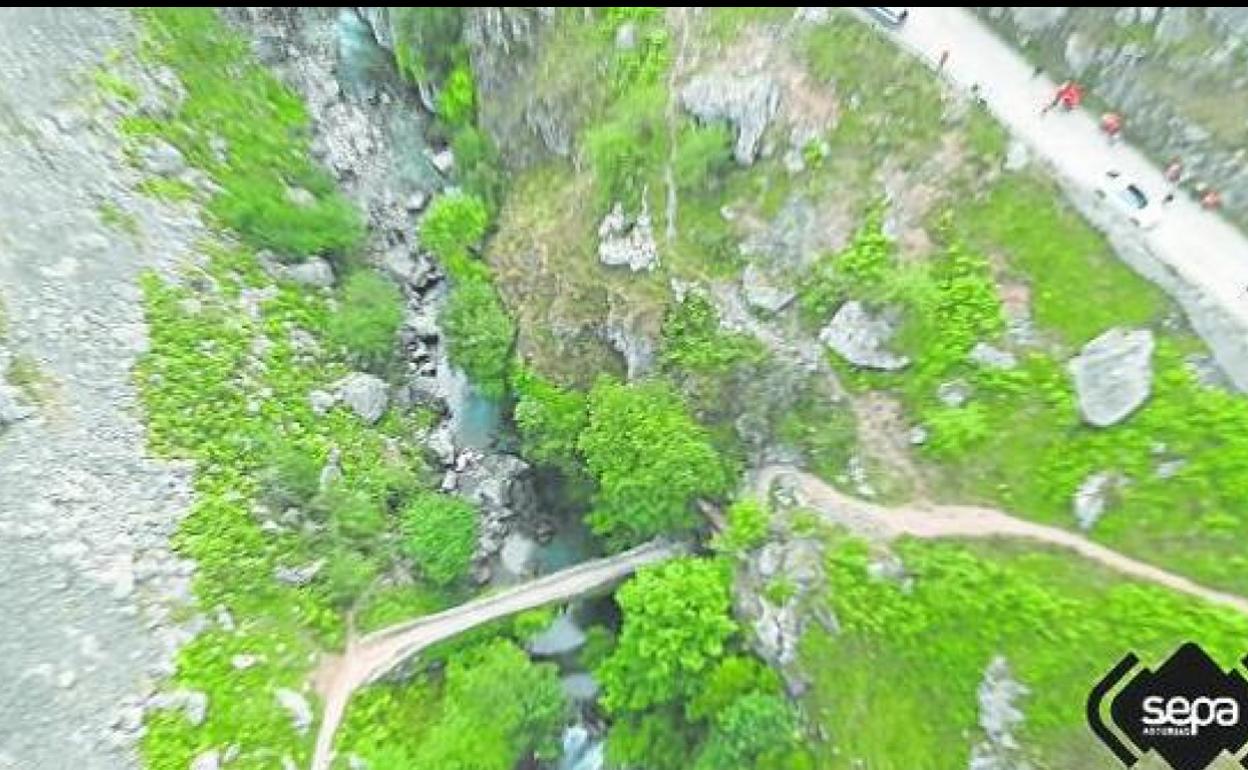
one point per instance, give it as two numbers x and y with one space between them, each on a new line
313 271
991 357
1092 496
298 576
192 703
581 687
633 345
917 436
748 103
622 243
1080 54
208 760
244 661
1038 19
321 401
999 716
518 554
1174 25
365 394
861 338
301 197
761 291
561 637
441 444
162 158
1167 469
300 710
626 37
954 393
10 410
443 161
1017 155
1113 375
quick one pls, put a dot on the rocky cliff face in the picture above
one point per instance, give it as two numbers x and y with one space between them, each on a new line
1178 75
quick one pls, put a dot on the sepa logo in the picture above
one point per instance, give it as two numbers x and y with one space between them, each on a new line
1188 711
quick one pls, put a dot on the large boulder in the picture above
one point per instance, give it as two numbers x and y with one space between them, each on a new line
561 637
1113 375
999 716
761 291
518 554
625 243
365 394
297 706
313 271
861 337
10 410
747 102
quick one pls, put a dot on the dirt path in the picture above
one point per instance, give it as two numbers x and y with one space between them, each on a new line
1201 249
87 576
945 521
374 655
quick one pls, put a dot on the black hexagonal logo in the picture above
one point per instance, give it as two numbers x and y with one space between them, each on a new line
1188 711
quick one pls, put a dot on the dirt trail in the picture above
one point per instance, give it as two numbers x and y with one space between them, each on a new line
374 655
944 521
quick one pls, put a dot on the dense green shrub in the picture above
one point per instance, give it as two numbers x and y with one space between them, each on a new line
859 271
367 318
354 516
478 168
748 520
499 710
550 419
479 334
440 533
292 477
757 730
426 41
694 340
457 100
677 621
627 150
656 740
651 461
454 223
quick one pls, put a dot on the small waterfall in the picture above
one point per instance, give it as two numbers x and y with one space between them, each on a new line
581 751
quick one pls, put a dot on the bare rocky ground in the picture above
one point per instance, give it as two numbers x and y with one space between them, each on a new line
87 581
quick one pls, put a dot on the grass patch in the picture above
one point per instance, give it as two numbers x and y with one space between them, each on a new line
1078 287
25 374
897 686
264 127
165 189
112 215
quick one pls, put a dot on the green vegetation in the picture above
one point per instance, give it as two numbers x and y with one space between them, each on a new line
441 533
748 521
626 150
367 318
111 215
264 126
757 730
426 41
550 419
500 709
454 224
904 654
25 374
677 622
480 335
693 340
651 462
1064 260
457 102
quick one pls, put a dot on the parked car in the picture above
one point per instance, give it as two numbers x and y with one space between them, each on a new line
893 17
1130 199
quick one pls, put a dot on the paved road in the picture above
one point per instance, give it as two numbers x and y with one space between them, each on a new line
963 521
374 655
1197 245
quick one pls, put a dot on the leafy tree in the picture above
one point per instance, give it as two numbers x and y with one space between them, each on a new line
368 317
748 520
733 677
550 418
454 223
477 165
500 708
440 533
479 335
650 459
757 730
676 622
657 740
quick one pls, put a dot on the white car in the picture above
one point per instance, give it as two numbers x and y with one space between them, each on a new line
1130 199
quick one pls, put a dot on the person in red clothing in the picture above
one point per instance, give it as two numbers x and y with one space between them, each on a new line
1069 95
1111 124
1211 200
